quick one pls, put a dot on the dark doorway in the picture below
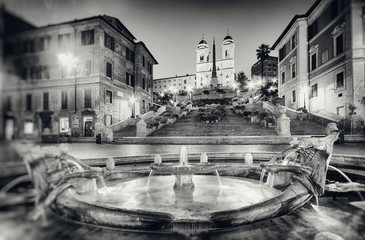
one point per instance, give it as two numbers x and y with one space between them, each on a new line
88 131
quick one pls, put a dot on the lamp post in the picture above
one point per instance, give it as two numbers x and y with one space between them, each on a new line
251 86
132 100
189 89
69 61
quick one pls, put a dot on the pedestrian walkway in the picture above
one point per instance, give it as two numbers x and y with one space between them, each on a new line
230 125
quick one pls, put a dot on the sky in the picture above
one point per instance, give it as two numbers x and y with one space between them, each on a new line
172 29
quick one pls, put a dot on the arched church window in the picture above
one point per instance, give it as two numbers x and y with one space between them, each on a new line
201 58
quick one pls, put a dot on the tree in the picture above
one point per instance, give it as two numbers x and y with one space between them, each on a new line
262 53
242 80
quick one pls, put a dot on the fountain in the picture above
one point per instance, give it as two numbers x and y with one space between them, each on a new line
205 194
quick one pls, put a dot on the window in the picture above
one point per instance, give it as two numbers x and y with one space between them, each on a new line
313 61
334 9
130 55
293 70
143 83
312 29
282 70
28 46
87 37
294 96
339 44
44 43
149 65
283 97
226 53
44 72
108 120
313 54
143 104
63 40
325 56
87 98
109 41
201 58
64 125
314 90
45 101
29 102
293 66
129 79
143 61
109 70
184 81
282 53
340 80
64 100
108 97
293 41
338 39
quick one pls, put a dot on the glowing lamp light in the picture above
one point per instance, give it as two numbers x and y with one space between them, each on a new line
234 85
67 60
189 89
132 99
251 85
274 80
272 89
259 83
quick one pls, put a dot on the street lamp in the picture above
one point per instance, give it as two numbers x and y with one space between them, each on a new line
69 61
251 86
189 89
132 100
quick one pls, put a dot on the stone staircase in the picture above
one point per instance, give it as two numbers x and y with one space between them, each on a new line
230 125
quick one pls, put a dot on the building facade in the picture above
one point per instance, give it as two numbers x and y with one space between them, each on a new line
73 77
270 70
225 70
322 58
177 83
224 67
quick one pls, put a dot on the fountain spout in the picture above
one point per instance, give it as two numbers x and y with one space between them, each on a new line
183 156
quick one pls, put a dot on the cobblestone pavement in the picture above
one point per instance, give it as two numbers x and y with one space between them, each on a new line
91 150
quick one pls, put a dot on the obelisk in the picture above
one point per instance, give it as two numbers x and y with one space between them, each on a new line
214 79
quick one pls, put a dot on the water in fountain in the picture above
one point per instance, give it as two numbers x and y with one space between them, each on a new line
149 178
183 156
346 177
262 176
219 178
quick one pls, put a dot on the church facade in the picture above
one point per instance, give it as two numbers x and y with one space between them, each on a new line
225 71
224 74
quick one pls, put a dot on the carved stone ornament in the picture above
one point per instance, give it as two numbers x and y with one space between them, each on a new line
282 68
338 30
313 49
293 59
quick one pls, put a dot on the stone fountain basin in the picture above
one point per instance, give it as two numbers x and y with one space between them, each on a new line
77 203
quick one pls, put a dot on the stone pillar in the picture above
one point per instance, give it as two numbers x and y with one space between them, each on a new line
283 125
141 129
108 134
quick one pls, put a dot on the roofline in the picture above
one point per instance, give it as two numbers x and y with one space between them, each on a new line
276 58
310 10
174 77
144 45
92 18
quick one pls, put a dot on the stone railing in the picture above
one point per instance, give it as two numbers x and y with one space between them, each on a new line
161 110
122 124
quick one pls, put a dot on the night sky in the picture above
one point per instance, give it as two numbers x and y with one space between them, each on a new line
171 29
